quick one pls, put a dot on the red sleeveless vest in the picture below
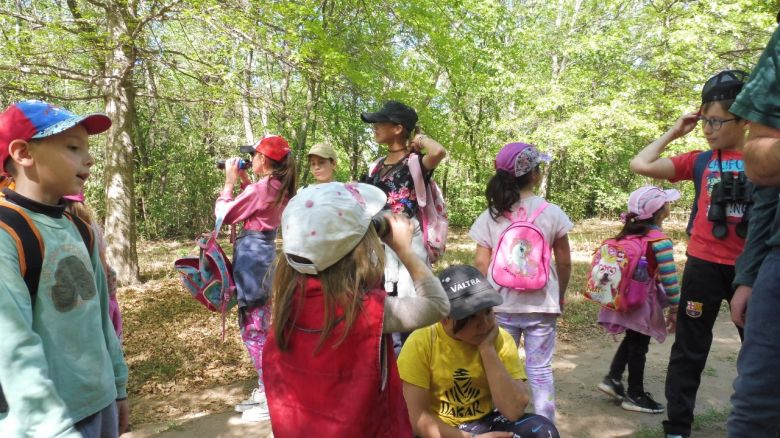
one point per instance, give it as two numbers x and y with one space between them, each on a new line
349 390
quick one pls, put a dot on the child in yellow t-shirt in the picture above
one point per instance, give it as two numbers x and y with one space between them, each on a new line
449 368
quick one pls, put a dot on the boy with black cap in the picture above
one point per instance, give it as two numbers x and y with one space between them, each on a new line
395 126
62 368
718 227
462 377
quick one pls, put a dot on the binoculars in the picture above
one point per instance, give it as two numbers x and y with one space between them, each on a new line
733 188
242 164
380 224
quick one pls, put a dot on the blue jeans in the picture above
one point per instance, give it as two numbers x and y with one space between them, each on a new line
756 398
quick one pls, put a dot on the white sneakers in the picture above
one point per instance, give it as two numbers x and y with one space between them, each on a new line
255 414
255 408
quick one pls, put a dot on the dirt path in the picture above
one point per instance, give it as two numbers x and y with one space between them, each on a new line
583 411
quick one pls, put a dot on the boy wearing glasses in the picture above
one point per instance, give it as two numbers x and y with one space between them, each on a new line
718 227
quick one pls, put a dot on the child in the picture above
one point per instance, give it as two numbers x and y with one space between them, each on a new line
394 126
532 314
716 229
322 162
75 205
62 368
330 369
259 207
463 375
647 208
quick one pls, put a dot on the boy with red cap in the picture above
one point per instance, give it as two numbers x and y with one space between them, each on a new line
62 368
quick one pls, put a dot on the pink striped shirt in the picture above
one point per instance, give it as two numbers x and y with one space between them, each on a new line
254 206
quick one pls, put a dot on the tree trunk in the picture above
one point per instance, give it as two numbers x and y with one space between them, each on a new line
246 104
120 226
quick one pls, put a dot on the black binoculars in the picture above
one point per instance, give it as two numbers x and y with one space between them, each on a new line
733 188
381 224
242 164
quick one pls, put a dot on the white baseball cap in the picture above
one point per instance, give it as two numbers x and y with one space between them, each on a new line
324 222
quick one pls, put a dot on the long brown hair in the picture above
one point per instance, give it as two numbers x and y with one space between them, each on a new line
343 286
286 173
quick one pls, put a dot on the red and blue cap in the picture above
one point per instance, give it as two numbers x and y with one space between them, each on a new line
35 119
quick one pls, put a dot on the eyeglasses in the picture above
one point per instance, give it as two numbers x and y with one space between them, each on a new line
715 124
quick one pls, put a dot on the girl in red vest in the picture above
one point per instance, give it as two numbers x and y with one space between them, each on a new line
329 365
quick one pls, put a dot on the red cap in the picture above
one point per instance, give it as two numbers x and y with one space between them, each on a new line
274 147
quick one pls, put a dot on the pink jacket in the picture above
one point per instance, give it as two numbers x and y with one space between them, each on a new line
254 206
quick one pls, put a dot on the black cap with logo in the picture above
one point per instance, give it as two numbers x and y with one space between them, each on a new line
468 291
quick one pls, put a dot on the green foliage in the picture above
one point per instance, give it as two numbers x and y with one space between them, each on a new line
590 82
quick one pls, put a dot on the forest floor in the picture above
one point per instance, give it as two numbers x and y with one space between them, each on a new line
184 380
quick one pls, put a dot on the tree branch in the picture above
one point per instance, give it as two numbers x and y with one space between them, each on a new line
49 70
49 96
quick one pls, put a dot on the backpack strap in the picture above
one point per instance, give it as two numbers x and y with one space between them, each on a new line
85 230
29 244
520 215
419 182
538 211
699 164
373 168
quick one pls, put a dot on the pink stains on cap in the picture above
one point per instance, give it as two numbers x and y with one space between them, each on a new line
309 203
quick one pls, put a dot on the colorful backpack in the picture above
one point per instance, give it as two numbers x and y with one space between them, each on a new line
434 221
521 259
611 280
30 248
209 276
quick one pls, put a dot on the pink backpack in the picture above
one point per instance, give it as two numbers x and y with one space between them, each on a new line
434 221
521 259
611 281
209 276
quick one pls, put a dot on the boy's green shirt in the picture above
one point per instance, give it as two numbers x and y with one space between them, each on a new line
60 360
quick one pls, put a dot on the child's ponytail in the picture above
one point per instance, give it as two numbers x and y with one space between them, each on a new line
285 172
503 191
636 227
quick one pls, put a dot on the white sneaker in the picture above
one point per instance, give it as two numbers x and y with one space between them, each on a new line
254 399
257 413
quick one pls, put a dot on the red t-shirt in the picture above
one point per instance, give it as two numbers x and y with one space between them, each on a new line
703 244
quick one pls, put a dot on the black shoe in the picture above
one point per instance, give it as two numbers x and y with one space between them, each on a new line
642 403
613 388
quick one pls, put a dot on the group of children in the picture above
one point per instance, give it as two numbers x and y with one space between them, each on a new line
323 322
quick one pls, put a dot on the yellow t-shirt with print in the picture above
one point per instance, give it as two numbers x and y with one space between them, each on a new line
452 372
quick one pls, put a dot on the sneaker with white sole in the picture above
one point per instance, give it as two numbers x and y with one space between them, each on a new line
641 403
611 387
254 399
255 414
